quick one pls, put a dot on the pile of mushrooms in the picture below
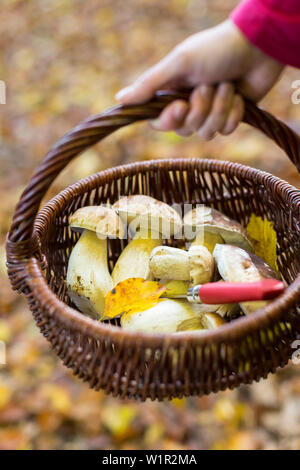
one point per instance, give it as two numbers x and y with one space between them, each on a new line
215 248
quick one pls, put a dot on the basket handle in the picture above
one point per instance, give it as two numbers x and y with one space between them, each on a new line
95 128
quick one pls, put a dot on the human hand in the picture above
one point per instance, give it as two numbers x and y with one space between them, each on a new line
209 62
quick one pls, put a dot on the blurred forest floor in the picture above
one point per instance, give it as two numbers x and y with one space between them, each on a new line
63 60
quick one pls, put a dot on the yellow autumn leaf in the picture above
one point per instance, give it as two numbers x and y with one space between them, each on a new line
229 412
179 402
119 421
153 435
5 331
58 397
264 239
239 440
174 287
5 396
132 295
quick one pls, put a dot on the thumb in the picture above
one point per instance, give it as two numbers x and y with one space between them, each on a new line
144 88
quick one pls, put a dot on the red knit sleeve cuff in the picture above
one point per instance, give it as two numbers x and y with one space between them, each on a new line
275 32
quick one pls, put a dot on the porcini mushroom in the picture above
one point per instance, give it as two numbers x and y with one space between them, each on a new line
169 263
164 317
237 265
151 221
88 278
171 316
201 264
195 265
207 226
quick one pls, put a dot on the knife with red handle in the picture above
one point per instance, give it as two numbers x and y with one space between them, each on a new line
235 292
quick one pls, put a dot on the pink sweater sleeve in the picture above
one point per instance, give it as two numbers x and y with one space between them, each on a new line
273 26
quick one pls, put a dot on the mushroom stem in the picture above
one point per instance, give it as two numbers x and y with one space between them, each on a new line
208 222
170 263
201 264
195 265
207 239
153 220
88 278
134 259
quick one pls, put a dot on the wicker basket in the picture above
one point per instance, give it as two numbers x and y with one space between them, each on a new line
158 366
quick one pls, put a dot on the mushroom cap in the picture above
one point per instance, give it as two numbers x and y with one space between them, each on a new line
214 221
237 265
149 213
100 219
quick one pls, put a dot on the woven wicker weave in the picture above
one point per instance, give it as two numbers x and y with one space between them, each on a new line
143 365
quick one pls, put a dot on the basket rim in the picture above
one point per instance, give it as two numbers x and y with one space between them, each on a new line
228 332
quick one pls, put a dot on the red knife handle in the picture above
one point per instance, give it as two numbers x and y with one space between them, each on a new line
235 292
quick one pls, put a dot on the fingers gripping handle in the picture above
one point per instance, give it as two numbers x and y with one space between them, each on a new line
95 128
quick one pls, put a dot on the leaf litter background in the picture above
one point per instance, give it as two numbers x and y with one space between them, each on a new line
63 60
